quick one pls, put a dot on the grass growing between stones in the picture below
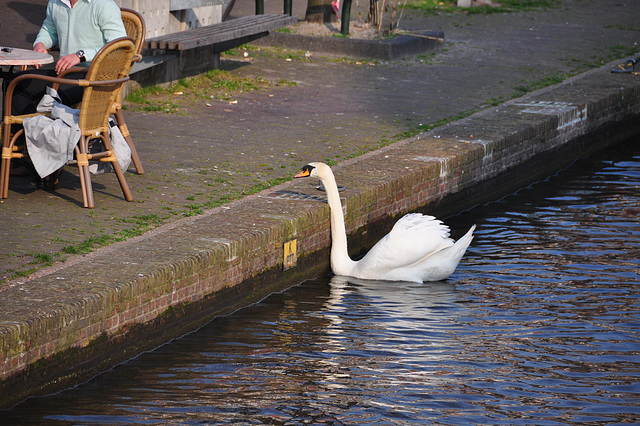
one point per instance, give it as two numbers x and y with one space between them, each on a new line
214 85
38 261
137 226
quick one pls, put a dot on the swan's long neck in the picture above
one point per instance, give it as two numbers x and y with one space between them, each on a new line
341 263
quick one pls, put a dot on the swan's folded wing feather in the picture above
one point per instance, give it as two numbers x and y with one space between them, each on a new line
412 238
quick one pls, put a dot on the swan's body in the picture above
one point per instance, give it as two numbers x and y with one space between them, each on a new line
417 249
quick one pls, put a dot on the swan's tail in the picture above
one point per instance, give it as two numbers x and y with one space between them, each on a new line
464 241
444 262
456 251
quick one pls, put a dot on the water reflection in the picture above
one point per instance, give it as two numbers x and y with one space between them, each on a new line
539 325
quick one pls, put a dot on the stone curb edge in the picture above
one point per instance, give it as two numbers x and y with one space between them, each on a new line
82 317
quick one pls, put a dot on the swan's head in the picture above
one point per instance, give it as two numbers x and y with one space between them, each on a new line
319 170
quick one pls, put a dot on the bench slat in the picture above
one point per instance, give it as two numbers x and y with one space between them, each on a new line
216 35
220 32
260 22
175 5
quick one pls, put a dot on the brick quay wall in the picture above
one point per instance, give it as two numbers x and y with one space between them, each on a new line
81 317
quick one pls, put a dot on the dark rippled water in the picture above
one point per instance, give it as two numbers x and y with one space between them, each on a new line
539 325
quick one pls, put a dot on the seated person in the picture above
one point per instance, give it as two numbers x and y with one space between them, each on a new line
79 28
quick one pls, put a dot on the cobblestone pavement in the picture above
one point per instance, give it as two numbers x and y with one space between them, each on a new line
213 151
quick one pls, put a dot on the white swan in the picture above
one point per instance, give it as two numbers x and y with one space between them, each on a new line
417 249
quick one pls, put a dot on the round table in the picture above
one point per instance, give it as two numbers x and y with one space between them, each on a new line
23 58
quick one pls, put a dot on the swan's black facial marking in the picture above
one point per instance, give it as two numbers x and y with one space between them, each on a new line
306 171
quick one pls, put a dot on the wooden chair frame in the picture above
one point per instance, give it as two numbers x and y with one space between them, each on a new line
103 82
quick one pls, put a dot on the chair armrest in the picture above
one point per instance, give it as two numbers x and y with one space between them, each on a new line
8 96
66 72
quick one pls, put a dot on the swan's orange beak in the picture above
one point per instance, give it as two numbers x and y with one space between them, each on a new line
306 171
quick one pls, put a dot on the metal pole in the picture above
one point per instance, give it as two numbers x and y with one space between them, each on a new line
346 17
287 7
259 7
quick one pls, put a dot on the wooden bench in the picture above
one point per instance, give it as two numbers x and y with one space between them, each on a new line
222 36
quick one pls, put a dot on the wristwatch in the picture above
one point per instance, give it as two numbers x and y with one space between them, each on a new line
80 54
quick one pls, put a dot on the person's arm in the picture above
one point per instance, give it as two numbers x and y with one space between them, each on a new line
110 23
48 34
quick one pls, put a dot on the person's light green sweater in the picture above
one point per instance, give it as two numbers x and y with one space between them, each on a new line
88 26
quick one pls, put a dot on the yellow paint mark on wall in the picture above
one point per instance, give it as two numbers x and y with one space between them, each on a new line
290 254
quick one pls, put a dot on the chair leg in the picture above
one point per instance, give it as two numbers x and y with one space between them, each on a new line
4 177
127 136
5 166
83 170
123 183
88 191
116 167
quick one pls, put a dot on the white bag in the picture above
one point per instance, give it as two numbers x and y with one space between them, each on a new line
120 148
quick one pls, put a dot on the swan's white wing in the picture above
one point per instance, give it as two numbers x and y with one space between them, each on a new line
412 238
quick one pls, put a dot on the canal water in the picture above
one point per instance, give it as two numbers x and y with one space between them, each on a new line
539 325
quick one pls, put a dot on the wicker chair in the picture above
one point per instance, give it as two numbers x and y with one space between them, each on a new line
103 83
135 28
